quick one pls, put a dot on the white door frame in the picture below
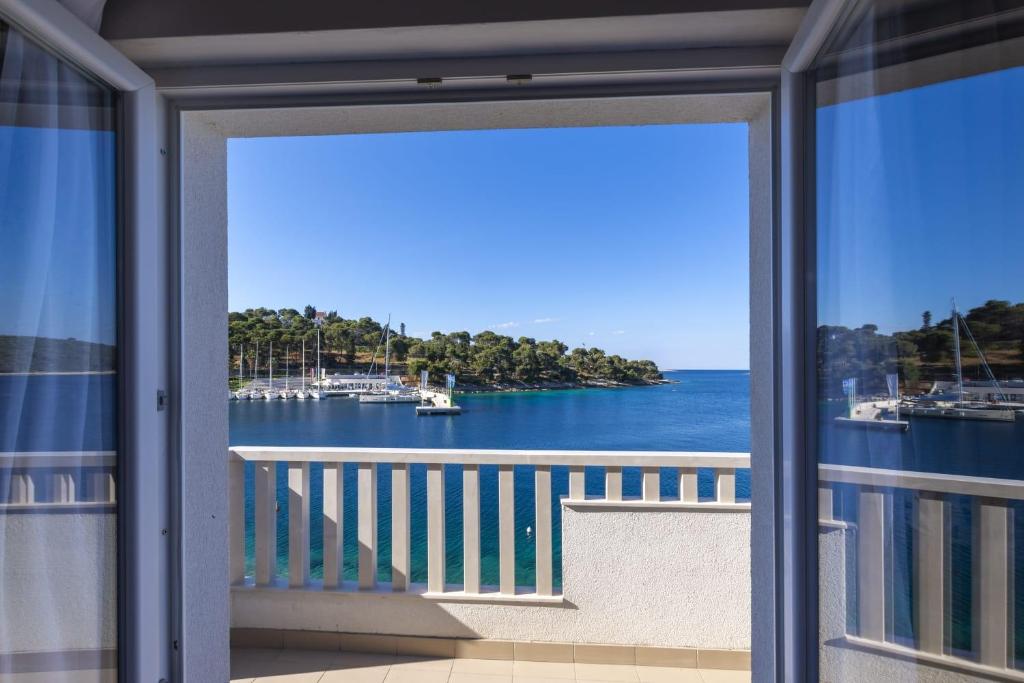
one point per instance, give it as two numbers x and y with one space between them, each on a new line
144 642
201 130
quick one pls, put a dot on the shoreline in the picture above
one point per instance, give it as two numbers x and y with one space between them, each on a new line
556 386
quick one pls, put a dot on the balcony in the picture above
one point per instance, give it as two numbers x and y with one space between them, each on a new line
650 585
957 615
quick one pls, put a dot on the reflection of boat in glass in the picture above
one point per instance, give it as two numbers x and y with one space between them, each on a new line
988 404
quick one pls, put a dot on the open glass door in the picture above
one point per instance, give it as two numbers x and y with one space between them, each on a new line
917 118
59 395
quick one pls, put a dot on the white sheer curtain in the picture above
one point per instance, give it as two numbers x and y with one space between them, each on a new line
58 399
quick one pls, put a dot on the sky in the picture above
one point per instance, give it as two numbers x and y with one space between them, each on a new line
631 239
920 201
58 234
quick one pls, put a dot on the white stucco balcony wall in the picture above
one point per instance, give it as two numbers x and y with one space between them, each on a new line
657 574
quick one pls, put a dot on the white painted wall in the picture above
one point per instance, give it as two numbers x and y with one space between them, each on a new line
203 403
57 586
675 578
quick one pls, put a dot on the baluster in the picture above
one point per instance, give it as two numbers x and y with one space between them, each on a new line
871 564
542 534
992 572
435 528
64 487
103 487
577 483
688 485
506 529
725 485
236 514
613 483
931 571
334 523
298 524
400 527
367 532
23 488
826 505
652 484
471 528
266 522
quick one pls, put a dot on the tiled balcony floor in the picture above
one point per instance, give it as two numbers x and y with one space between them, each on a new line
309 666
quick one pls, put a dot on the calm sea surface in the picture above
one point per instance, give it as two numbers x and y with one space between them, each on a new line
705 411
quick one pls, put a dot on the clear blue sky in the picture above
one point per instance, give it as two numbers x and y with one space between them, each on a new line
633 239
58 232
921 199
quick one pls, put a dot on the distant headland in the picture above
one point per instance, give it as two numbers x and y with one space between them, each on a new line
486 361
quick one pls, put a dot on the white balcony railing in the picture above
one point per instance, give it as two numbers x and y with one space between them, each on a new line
992 560
652 464
39 480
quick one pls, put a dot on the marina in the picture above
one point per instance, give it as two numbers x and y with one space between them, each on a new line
992 400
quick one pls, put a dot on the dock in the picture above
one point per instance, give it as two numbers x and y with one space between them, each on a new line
438 410
435 402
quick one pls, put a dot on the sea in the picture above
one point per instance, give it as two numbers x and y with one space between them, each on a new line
701 410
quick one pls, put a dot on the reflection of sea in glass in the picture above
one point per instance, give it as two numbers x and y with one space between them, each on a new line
920 349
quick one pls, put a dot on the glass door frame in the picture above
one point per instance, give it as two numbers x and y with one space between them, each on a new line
797 514
144 643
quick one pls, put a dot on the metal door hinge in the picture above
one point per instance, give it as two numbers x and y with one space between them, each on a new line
161 399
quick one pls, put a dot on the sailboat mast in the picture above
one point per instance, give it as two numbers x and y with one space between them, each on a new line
318 354
256 364
956 353
271 366
287 366
387 354
303 363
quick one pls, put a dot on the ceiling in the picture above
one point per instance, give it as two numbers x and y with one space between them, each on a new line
187 33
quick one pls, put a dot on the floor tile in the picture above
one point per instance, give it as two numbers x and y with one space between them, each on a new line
487 667
724 676
398 675
543 670
304 677
478 678
537 679
311 658
375 674
422 664
668 674
362 660
607 672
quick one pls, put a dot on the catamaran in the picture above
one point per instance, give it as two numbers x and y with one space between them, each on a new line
959 406
391 393
315 393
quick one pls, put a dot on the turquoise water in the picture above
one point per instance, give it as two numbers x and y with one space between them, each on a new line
704 411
